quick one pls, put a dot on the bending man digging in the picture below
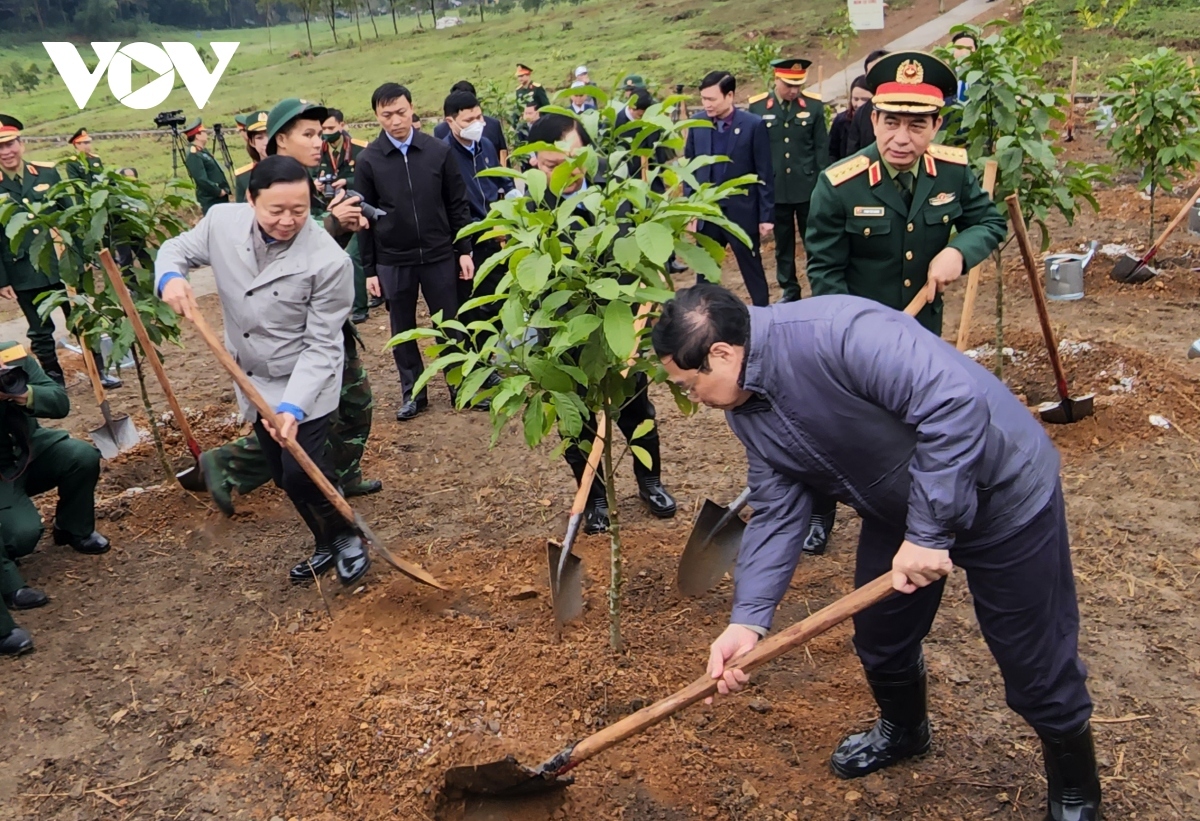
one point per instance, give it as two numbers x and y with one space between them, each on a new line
944 465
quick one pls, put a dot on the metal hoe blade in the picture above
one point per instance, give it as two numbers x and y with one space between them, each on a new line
711 549
507 778
1067 411
1131 270
566 582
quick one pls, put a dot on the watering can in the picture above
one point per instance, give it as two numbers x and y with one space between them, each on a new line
1064 274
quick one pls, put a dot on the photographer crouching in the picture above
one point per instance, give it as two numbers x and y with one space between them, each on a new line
34 460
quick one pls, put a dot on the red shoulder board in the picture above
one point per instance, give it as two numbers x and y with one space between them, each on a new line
770 103
31 169
930 166
800 100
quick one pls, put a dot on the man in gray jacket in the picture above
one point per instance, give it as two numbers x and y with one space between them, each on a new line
286 288
944 465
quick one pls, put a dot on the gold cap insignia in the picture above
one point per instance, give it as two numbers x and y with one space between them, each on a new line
910 72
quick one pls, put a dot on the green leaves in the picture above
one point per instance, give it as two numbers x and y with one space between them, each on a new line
656 241
533 272
618 329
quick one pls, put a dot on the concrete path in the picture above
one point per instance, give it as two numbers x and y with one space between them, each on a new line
922 37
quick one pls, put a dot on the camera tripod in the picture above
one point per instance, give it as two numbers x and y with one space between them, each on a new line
179 150
226 159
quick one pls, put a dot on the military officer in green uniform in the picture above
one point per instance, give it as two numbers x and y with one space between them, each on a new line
211 185
255 127
632 84
85 163
294 129
881 221
34 460
799 152
20 276
528 91
339 153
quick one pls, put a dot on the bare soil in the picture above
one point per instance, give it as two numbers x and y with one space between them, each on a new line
181 677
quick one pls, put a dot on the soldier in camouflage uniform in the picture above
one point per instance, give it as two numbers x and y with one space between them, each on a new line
240 465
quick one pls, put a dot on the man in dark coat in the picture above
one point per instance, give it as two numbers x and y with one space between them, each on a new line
944 465
743 138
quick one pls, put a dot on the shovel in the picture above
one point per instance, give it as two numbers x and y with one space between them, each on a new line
712 546
413 571
1068 410
190 478
1194 351
118 433
566 569
1130 270
509 778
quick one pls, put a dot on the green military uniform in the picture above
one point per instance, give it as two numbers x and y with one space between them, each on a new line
873 230
205 171
253 123
34 460
240 464
339 160
799 152
241 180
533 93
83 166
19 271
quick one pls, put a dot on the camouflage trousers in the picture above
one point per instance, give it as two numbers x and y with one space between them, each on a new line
241 466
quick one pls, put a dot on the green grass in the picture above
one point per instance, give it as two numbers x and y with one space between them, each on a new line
613 37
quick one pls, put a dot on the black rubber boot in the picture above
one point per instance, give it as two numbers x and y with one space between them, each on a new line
322 559
1072 778
902 730
350 558
819 529
649 479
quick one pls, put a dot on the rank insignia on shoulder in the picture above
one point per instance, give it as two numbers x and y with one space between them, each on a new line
870 211
12 354
847 170
948 153
758 97
944 198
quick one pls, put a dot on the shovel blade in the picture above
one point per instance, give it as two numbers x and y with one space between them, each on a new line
1068 410
566 587
192 478
708 554
413 571
116 435
504 778
1131 270
105 441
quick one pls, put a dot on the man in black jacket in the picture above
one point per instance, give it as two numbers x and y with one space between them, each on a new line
414 178
492 129
862 130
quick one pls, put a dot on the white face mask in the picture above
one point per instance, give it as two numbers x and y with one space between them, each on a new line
473 132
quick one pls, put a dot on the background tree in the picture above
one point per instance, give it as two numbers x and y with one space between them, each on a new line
265 6
307 9
109 211
433 11
565 329
1157 120
330 8
758 56
1010 116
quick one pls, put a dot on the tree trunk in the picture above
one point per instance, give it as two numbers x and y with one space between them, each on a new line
1153 191
229 8
270 46
371 14
614 534
37 8
311 52
358 25
999 366
158 445
433 11
482 3
331 8
395 25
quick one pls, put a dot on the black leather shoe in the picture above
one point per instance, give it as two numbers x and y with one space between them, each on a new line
901 732
25 598
819 529
318 564
1072 779
93 545
110 382
16 643
375 302
358 317
351 560
595 516
361 487
410 409
662 503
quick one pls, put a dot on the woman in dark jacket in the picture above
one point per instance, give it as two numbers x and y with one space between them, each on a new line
839 130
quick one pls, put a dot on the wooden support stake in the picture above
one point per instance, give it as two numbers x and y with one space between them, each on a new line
1071 100
964 325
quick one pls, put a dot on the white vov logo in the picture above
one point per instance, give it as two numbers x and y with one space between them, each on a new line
165 61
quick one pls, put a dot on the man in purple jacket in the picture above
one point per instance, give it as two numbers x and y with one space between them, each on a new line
944 465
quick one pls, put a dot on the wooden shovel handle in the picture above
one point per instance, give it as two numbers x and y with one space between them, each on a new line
135 319
89 364
990 170
766 650
1035 285
1170 229
256 399
593 461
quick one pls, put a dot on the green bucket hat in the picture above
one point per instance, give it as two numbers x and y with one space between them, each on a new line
287 110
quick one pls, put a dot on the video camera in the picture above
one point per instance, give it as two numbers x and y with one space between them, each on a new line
373 214
13 381
167 119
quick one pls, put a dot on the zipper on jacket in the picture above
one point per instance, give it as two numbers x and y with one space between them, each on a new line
413 202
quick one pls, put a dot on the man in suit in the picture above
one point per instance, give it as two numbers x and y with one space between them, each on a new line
286 288
211 185
33 461
799 152
85 162
881 221
743 138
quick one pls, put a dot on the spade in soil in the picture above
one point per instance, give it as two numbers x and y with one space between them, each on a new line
1131 270
509 778
712 546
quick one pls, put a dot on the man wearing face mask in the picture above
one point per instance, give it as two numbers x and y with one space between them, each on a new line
339 155
294 130
285 288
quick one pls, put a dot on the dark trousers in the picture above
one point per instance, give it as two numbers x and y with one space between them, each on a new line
469 289
789 218
749 261
70 466
311 435
438 282
637 410
1024 594
41 331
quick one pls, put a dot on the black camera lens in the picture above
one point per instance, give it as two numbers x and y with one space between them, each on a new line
13 381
